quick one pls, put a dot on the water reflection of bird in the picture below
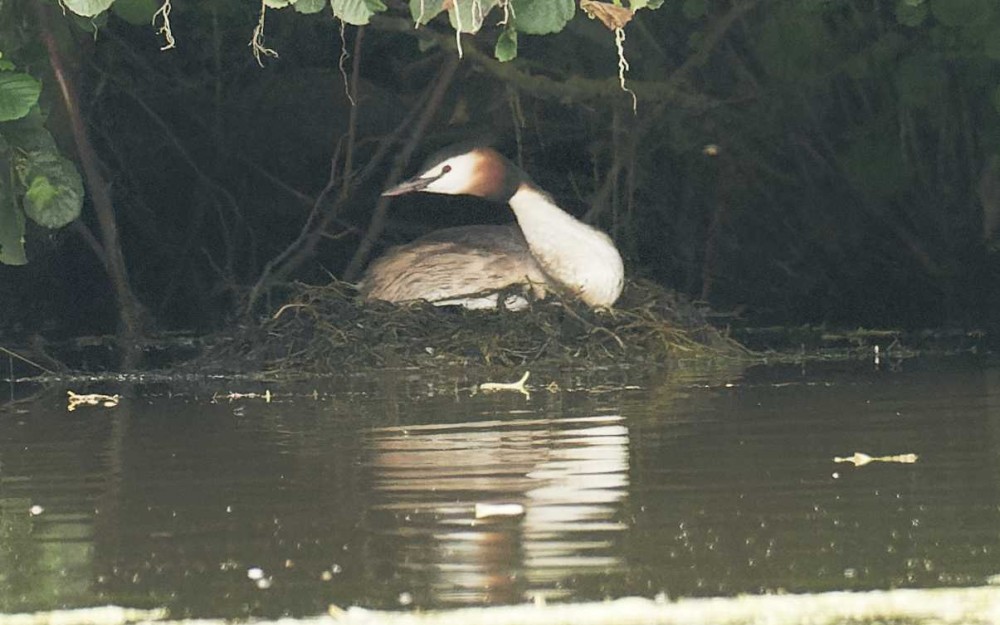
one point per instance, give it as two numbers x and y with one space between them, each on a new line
547 249
496 511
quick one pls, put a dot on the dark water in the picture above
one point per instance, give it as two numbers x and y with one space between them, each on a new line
365 491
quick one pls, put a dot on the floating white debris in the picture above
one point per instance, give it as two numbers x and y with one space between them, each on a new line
255 573
507 386
969 606
90 399
105 615
232 396
860 459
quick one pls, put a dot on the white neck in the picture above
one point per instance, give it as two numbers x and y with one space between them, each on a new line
580 257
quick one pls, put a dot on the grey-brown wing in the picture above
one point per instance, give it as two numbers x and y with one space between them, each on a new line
450 263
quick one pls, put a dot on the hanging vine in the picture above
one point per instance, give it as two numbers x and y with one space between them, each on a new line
168 35
614 17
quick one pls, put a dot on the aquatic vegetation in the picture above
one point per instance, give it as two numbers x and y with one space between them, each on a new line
324 329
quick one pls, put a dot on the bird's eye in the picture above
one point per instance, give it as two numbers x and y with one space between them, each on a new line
446 169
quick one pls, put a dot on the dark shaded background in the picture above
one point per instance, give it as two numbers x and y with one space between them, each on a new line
827 162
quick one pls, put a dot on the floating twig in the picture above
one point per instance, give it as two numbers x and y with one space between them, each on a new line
859 459
507 386
232 395
90 399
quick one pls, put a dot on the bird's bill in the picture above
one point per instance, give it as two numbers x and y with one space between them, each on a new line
409 186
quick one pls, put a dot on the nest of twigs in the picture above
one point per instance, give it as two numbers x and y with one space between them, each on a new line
325 329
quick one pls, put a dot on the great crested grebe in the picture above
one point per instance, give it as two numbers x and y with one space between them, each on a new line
548 249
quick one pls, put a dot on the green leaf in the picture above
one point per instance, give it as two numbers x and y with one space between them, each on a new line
90 25
423 11
87 8
54 193
18 93
308 7
694 9
356 12
6 65
506 48
468 15
136 12
535 17
29 133
11 231
277 4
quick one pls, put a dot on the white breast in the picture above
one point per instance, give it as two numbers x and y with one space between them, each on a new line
582 258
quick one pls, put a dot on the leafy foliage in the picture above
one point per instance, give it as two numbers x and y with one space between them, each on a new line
53 189
18 94
356 12
542 18
136 12
88 8
506 48
43 185
532 17
849 139
308 7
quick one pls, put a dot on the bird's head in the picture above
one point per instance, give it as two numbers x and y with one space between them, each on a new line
478 171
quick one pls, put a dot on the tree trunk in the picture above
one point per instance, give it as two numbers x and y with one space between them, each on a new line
129 308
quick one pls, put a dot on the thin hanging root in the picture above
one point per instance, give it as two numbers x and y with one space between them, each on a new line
257 41
508 12
614 18
340 65
478 17
623 66
458 30
168 35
